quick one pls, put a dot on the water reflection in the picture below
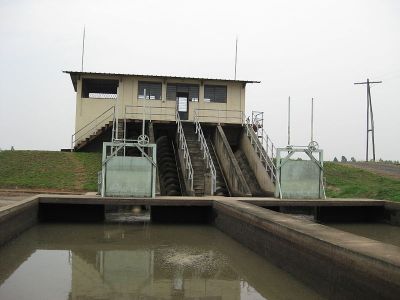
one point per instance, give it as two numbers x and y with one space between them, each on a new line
138 262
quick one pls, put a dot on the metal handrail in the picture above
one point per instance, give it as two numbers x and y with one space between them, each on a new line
206 153
149 110
266 142
93 125
269 164
183 146
220 114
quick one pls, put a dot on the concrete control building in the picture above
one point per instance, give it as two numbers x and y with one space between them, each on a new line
205 143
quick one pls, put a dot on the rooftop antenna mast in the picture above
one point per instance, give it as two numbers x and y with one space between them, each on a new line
370 118
288 127
236 48
312 120
83 47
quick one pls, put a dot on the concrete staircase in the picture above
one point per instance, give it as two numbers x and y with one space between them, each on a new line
222 189
196 156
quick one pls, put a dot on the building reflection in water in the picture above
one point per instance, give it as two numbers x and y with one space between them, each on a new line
111 261
163 272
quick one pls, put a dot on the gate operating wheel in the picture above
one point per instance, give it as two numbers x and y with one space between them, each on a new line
143 140
313 145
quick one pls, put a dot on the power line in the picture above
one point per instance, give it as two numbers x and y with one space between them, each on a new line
370 117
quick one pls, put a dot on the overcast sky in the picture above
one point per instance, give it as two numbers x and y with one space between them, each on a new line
301 49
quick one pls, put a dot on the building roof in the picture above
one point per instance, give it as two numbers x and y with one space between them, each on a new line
74 76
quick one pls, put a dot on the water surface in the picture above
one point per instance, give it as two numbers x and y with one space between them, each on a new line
111 261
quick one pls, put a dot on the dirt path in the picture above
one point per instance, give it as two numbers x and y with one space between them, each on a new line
384 169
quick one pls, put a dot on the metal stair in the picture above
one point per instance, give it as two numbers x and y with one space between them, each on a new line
198 163
264 147
95 128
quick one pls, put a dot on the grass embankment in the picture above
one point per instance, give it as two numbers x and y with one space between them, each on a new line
76 171
49 170
344 181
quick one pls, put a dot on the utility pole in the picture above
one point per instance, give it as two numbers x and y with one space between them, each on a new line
370 118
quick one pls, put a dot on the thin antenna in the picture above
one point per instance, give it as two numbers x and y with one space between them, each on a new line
370 118
288 127
312 120
83 47
236 55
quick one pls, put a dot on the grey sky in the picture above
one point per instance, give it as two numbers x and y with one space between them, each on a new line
299 48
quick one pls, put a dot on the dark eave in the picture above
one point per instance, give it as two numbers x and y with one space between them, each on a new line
75 74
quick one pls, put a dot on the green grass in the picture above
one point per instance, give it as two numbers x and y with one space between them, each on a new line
51 170
66 171
345 181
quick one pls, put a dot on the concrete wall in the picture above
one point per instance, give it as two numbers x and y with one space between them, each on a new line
392 213
261 174
18 217
229 166
336 264
87 109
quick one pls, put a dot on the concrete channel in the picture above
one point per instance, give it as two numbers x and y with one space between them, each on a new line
337 264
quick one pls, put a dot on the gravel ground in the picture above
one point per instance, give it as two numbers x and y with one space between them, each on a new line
8 198
384 169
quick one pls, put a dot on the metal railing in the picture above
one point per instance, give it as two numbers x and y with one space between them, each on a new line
219 115
150 112
147 113
93 126
260 150
182 145
206 154
264 139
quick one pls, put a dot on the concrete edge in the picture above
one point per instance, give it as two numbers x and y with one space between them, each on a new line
310 232
238 171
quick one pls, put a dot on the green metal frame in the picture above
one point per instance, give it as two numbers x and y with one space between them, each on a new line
115 149
280 162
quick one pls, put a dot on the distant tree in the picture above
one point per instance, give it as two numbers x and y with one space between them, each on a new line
353 159
344 159
335 159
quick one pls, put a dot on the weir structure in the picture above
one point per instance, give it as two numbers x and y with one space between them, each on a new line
207 150
337 264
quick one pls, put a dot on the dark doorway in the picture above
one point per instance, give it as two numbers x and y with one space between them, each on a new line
182 105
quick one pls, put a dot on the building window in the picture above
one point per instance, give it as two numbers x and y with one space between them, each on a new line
99 88
191 89
153 90
215 93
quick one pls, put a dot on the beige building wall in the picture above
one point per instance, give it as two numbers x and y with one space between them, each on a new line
128 105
